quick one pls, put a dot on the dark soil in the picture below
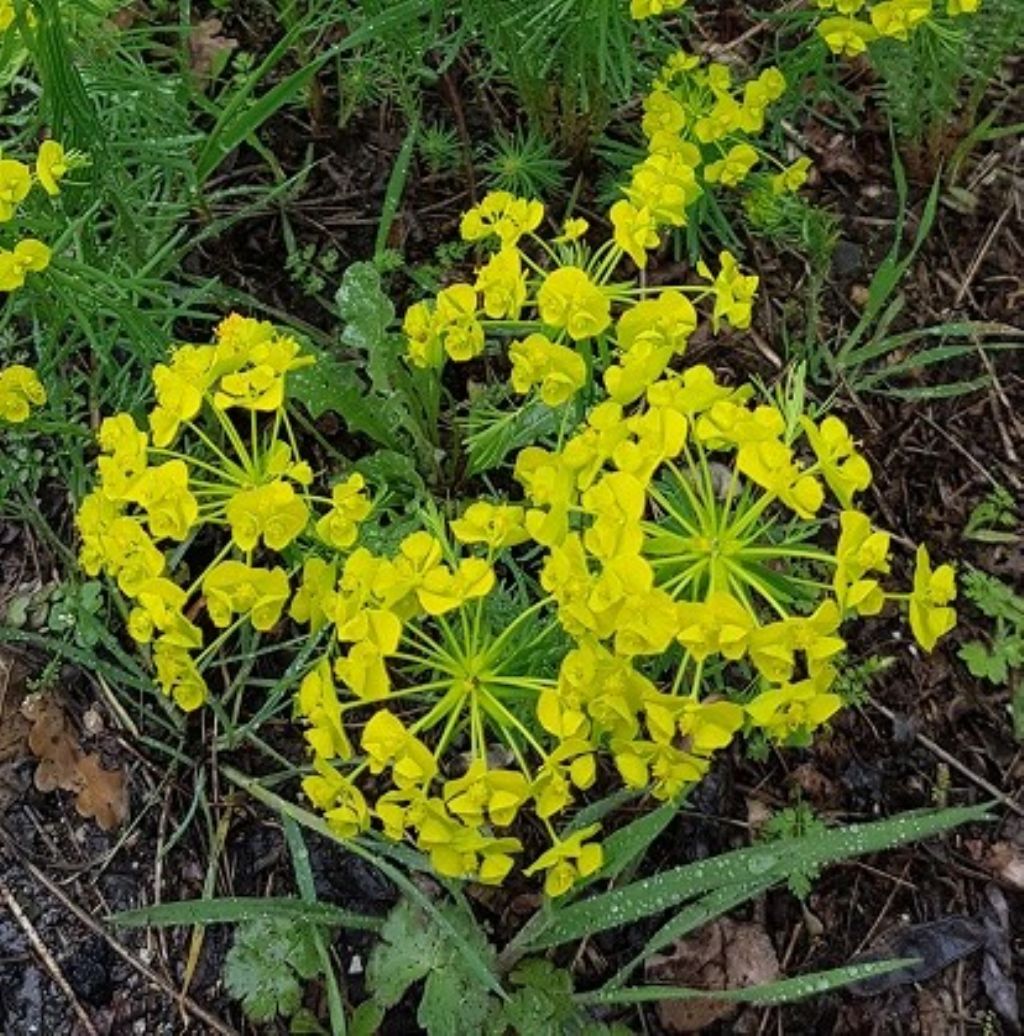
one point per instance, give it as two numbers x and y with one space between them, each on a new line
936 732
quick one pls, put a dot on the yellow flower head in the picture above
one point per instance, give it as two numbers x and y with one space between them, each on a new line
20 391
51 166
28 256
569 299
930 616
569 860
558 370
635 231
15 183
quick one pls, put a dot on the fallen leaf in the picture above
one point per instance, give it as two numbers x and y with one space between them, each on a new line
100 794
208 51
725 954
934 944
1006 861
997 966
103 794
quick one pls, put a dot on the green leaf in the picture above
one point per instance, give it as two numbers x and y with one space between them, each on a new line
785 991
232 910
453 1003
368 313
366 1019
410 947
264 967
744 871
331 385
984 664
494 433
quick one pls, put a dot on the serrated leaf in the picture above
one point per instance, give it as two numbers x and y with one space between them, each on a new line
264 967
409 948
982 664
453 1003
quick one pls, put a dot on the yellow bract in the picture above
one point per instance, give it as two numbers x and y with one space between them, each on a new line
20 391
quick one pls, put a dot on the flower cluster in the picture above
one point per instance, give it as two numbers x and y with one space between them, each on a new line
858 23
20 391
196 476
684 596
29 255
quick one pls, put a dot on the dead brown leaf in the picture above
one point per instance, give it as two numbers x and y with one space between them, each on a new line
100 793
1006 861
725 954
208 51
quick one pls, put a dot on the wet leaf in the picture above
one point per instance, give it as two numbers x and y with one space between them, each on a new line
934 944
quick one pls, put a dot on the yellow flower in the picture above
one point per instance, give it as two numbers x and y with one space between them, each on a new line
317 701
273 512
732 169
666 185
442 590
502 215
859 551
792 178
482 793
497 525
233 588
179 386
340 526
15 183
363 671
843 468
20 390
896 18
662 767
639 9
569 860
790 713
163 493
773 647
719 625
51 166
569 299
560 371
668 319
705 726
314 602
124 458
257 383
549 484
958 7
573 229
930 618
423 341
733 291
635 230
178 676
461 334
28 256
386 742
502 284
344 807
847 36
159 604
